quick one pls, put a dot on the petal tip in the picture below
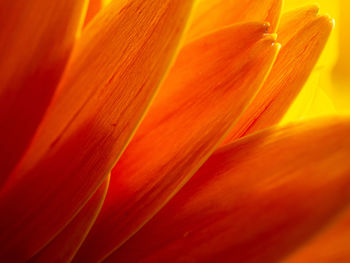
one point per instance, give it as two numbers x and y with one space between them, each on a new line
327 21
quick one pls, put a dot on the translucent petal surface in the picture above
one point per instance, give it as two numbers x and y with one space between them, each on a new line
255 200
303 35
210 84
115 69
211 15
36 38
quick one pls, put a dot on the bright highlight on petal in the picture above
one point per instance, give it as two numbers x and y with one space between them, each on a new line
94 7
32 60
115 69
303 35
243 207
209 86
211 15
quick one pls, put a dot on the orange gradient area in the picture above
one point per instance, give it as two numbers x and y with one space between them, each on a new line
99 102
242 207
329 245
210 84
301 48
36 39
155 131
211 15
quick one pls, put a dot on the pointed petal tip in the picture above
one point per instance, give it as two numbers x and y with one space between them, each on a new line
314 8
327 19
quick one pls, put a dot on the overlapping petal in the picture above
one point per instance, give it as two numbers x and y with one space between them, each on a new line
66 244
115 69
32 60
93 8
303 35
255 200
210 15
210 84
330 245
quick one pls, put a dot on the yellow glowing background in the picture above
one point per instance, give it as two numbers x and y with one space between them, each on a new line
327 91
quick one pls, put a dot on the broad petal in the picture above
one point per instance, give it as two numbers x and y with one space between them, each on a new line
255 200
114 72
66 244
209 86
36 39
303 35
330 245
210 15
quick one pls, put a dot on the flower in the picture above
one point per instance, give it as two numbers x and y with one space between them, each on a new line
90 174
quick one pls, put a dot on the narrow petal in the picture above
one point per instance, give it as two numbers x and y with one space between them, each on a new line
210 15
93 8
66 244
116 67
330 245
210 84
36 39
253 201
303 35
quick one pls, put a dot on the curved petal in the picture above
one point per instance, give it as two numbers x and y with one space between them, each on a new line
36 39
303 35
255 200
66 244
210 84
93 8
330 245
210 15
115 69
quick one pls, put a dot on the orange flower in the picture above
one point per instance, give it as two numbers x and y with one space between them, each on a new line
83 181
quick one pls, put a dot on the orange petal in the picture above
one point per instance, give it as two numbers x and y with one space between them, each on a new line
253 201
210 84
303 37
332 245
114 72
93 8
66 244
210 15
36 38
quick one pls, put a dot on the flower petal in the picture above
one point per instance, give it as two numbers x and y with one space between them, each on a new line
115 69
210 84
210 15
253 201
330 245
36 38
66 244
93 8
303 36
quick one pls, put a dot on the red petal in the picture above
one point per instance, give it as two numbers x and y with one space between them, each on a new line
66 244
208 87
36 38
303 36
255 200
332 245
114 72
